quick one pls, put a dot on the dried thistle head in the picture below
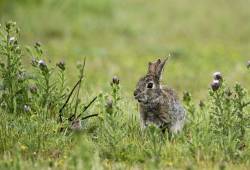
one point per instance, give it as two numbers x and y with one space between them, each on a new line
61 65
115 81
217 76
42 65
215 85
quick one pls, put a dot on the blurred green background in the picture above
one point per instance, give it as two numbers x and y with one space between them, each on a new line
119 37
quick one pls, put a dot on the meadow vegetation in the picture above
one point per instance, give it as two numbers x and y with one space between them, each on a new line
66 73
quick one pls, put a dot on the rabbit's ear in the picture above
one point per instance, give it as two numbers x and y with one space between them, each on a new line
152 67
160 67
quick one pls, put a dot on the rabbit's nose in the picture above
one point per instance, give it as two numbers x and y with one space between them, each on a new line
136 92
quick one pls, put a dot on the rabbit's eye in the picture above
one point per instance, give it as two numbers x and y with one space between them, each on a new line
150 85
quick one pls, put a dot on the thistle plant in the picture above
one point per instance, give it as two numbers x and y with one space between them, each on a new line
115 95
220 123
61 77
111 119
109 102
44 88
229 118
14 95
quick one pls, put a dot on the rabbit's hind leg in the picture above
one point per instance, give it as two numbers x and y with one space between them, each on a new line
176 127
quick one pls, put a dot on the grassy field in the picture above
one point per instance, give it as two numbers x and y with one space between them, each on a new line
120 38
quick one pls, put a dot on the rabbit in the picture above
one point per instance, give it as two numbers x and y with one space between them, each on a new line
158 104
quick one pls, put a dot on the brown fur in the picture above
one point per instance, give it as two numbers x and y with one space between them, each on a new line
159 105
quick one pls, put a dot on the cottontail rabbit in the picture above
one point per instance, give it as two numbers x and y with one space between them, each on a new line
158 104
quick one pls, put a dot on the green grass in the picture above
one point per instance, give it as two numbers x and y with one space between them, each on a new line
119 38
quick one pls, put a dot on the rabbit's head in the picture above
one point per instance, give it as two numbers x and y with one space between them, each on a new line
148 88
